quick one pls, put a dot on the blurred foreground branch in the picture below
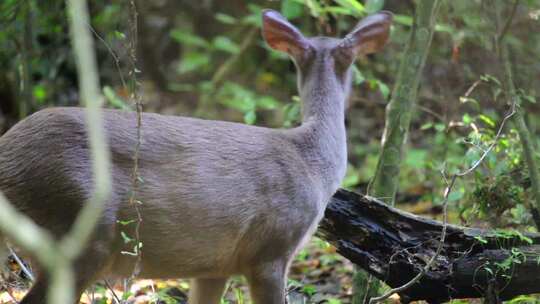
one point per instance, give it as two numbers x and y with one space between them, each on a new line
57 256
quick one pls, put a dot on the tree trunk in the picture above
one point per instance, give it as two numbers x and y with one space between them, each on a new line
394 246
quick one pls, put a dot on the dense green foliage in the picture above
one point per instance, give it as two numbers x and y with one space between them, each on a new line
207 59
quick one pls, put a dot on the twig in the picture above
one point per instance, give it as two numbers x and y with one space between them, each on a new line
430 111
138 106
115 296
113 54
508 22
433 258
472 87
25 269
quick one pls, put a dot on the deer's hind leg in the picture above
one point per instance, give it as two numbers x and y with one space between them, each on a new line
206 290
267 282
87 267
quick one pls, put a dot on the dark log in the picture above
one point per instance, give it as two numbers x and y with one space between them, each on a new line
394 246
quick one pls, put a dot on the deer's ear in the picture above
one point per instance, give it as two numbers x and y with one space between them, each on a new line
369 35
283 36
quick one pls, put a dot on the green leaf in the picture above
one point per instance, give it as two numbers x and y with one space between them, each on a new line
309 289
119 35
125 237
426 126
481 240
358 76
315 8
440 127
352 177
291 112
416 158
490 78
237 97
267 103
224 18
383 88
403 20
188 39
487 120
115 100
254 18
225 44
464 99
40 93
355 7
467 119
250 117
125 223
337 10
455 196
291 9
192 61
373 6
529 98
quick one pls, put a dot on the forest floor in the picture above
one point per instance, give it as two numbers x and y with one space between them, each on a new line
318 275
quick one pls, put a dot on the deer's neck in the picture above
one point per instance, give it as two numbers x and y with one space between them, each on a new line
323 131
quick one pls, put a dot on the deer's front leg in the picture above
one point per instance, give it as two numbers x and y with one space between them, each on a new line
267 283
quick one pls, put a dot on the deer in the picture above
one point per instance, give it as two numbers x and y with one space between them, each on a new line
218 198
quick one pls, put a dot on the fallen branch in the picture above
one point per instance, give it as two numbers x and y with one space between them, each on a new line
394 246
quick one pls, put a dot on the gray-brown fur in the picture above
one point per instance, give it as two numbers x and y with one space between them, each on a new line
219 198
